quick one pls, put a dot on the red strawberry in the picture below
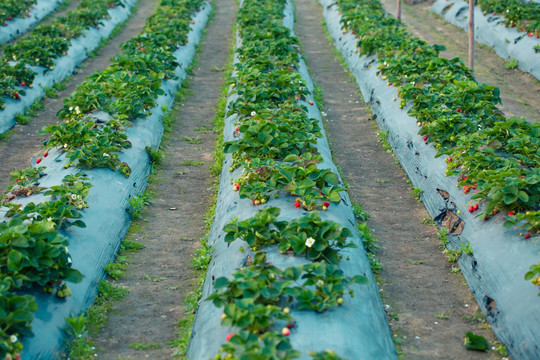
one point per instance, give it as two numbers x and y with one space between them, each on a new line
527 235
449 159
471 209
98 27
475 206
45 154
23 84
466 189
198 10
237 128
495 211
297 98
286 331
530 34
459 110
38 160
425 137
291 325
511 213
17 96
390 84
310 102
326 203
538 36
228 337
297 204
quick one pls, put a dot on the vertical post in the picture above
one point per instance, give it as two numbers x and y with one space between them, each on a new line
399 10
471 34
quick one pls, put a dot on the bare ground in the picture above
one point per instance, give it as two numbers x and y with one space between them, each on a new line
160 276
520 91
426 303
23 141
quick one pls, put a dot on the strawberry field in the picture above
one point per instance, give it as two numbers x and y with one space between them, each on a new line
98 250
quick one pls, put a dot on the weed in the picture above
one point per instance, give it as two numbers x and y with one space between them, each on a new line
359 212
382 181
441 316
193 163
192 140
59 86
416 262
442 235
145 346
498 347
50 92
79 347
466 249
204 129
416 192
511 64
116 269
383 136
453 255
22 119
477 317
154 279
156 156
137 204
427 220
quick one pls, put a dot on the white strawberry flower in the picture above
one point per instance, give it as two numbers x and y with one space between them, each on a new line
319 283
310 241
253 113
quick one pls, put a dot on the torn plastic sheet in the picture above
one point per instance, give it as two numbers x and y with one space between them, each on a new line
20 25
489 29
106 219
356 330
500 256
65 66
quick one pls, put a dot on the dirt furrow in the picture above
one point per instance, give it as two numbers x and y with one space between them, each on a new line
160 276
23 141
426 303
520 92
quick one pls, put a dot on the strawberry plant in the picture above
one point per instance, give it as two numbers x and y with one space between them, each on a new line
15 8
247 345
524 16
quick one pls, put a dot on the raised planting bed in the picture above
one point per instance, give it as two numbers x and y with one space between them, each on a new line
79 218
509 34
479 171
286 250
26 69
17 17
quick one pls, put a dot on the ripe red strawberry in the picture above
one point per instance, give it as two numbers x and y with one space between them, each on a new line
471 209
38 160
527 235
459 110
326 203
530 34
198 10
17 96
390 84
495 211
511 213
45 154
228 337
237 128
23 84
425 137
449 159
297 98
286 331
291 325
475 206
465 189
297 204
98 27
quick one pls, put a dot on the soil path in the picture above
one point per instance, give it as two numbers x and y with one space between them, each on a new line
425 302
23 141
160 276
520 91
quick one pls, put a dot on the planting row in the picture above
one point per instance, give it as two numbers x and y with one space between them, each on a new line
433 109
520 45
15 8
524 16
26 68
17 17
45 203
291 258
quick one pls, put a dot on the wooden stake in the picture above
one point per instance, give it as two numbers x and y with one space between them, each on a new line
471 34
399 10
